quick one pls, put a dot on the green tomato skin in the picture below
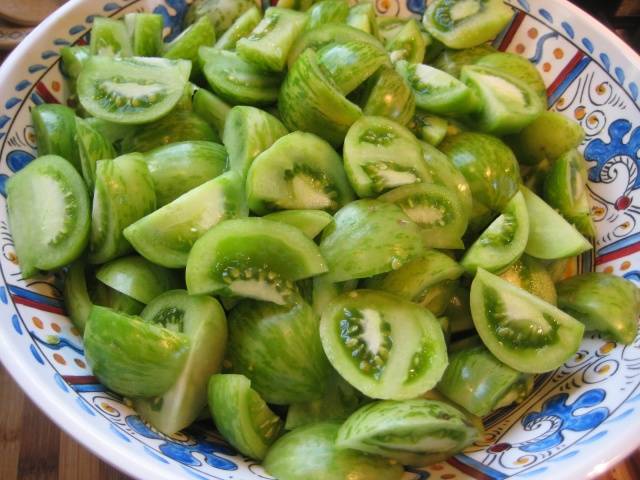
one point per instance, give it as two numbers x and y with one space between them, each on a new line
93 146
241 28
490 168
363 17
211 109
429 128
309 222
186 45
309 452
531 275
146 33
414 432
109 37
73 59
105 296
242 416
480 383
131 357
278 348
76 295
324 291
55 130
458 311
452 60
369 237
386 94
327 11
604 303
221 13
409 44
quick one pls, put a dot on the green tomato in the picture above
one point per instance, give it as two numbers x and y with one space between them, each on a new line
452 60
531 275
221 13
77 302
93 146
386 94
145 30
55 129
309 222
408 44
241 28
109 37
326 12
185 46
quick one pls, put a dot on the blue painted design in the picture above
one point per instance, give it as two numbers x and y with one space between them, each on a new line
588 44
606 61
61 383
419 474
619 74
76 29
562 417
83 405
633 90
193 473
119 434
89 387
174 22
3 295
15 322
566 456
568 29
546 15
22 85
569 79
36 68
35 296
634 399
615 151
185 452
634 276
540 46
524 4
622 416
110 7
3 120
18 159
2 134
12 102
416 6
35 354
481 467
4 178
535 472
55 342
593 438
155 456
37 99
61 42
624 242
48 54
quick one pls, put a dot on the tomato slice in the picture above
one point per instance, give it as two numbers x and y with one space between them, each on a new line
309 222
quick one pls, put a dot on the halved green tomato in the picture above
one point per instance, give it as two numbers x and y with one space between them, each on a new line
414 432
409 44
551 236
310 452
565 189
278 348
309 101
137 278
201 319
166 236
437 91
369 237
242 416
386 94
93 146
55 129
380 154
383 345
531 275
132 357
309 222
110 37
241 28
185 46
479 382
437 210
252 258
503 242
300 170
123 194
327 11
466 23
248 132
180 167
131 90
145 30
520 329
268 45
48 208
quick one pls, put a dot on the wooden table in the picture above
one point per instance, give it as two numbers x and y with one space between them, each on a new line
33 448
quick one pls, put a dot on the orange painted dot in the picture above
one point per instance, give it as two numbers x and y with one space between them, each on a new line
546 67
80 363
532 32
448 476
558 53
625 265
107 408
437 466
55 85
56 328
59 358
523 460
75 331
37 322
608 269
603 369
520 48
625 225
561 102
607 347
597 211
601 89
580 112
592 120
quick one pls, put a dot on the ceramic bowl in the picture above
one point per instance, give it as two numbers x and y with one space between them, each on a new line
580 420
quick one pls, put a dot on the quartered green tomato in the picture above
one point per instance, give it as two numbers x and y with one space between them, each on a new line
520 329
299 5
380 154
300 170
123 194
437 91
166 236
327 11
551 236
268 45
386 94
48 209
548 137
429 128
180 167
55 129
324 291
350 64
490 168
466 23
309 101
565 189
131 90
369 237
241 28
423 281
507 104
93 146
408 44
73 60
383 345
503 242
242 416
146 33
110 37
363 17
222 13
452 60
437 210
389 27
531 275
278 348
105 296
604 303
211 109
252 258
137 278
458 312
414 432
185 46
77 302
113 132
479 382
132 357
310 452
309 222
201 319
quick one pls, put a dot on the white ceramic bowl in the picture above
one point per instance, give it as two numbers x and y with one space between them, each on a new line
580 420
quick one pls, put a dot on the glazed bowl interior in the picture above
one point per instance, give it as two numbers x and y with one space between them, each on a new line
580 419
